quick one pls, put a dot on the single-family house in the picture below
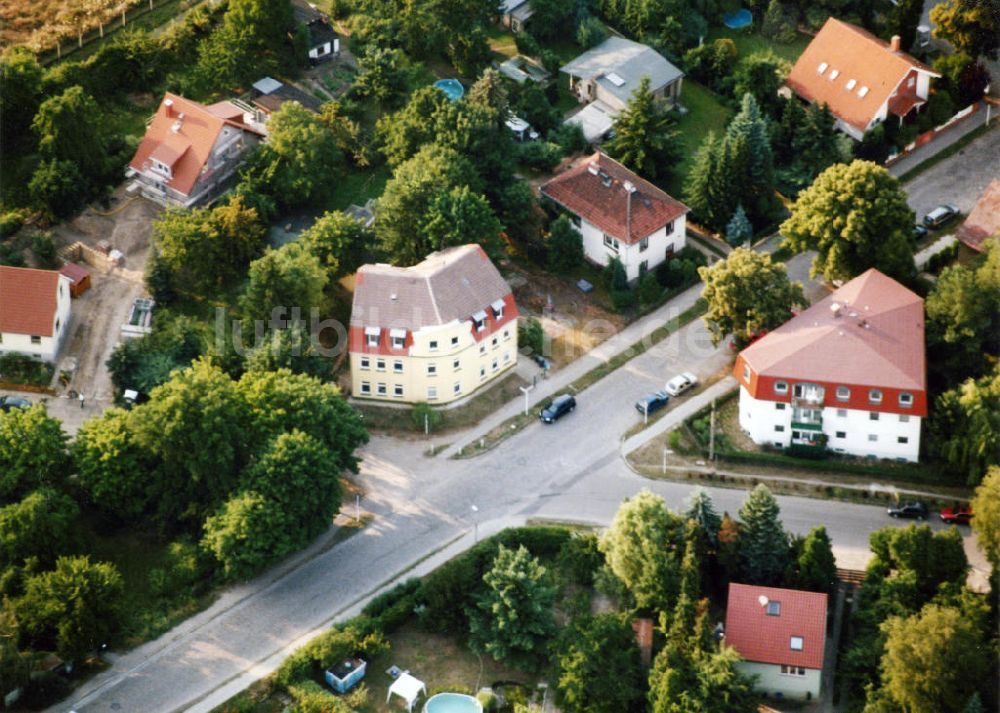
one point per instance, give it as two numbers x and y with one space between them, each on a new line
847 374
862 79
190 150
781 636
514 14
983 220
619 214
434 332
605 77
266 97
35 312
323 40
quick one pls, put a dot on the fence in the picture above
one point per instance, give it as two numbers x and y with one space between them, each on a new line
930 135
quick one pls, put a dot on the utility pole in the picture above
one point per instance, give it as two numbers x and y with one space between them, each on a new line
711 434
357 508
664 461
645 413
427 424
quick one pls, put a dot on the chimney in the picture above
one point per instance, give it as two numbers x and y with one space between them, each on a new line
629 190
169 105
894 43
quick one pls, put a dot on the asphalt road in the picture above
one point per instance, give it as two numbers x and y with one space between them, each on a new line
960 179
568 471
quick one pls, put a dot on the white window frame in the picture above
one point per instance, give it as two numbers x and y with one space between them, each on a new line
366 387
457 388
875 396
797 643
397 366
906 399
843 393
840 434
781 387
611 243
746 373
454 341
380 365
432 345
456 365
381 389
904 418
644 244
842 413
873 438
432 369
364 363
397 391
903 439
432 393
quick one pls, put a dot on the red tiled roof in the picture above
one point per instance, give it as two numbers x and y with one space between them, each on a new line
594 189
902 104
74 272
875 337
28 300
855 55
186 150
984 220
763 638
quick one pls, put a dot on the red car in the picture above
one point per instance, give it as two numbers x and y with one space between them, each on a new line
957 516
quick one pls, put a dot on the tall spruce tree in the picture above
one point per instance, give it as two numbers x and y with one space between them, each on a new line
763 543
709 187
645 138
751 162
702 511
739 230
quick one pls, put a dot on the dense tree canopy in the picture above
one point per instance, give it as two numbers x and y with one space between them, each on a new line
20 93
565 245
38 526
73 608
965 428
282 282
69 129
512 620
642 549
986 524
816 568
971 27
340 241
597 666
856 217
32 452
747 293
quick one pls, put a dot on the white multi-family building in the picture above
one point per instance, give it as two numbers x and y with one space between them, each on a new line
619 214
35 311
847 374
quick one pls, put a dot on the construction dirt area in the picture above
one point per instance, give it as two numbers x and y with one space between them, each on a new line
98 314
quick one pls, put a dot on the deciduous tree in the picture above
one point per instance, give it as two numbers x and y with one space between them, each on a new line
856 217
513 619
340 241
460 216
971 27
966 426
382 76
565 245
747 293
20 93
74 608
986 523
248 533
761 75
69 128
112 467
32 452
38 526
282 281
642 547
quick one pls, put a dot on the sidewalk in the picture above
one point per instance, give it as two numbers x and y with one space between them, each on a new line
678 415
939 245
940 143
613 346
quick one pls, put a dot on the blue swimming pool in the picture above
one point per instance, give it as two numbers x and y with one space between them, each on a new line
452 88
452 703
736 20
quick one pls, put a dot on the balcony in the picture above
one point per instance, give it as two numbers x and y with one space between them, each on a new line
808 395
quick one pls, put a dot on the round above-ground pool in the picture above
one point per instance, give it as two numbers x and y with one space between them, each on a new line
452 88
452 703
736 20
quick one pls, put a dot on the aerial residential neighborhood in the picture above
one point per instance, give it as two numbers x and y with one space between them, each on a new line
507 356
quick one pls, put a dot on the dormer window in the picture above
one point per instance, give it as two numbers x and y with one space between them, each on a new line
497 308
834 74
796 643
781 387
774 608
875 396
851 83
906 399
862 92
479 320
398 337
372 336
822 68
843 393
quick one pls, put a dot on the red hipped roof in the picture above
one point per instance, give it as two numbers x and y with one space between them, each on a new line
763 638
28 300
595 190
984 219
185 150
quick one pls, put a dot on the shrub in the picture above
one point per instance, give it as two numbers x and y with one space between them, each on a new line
579 559
530 335
570 137
22 369
526 44
425 417
540 155
44 248
328 649
622 299
12 220
590 33
649 289
488 700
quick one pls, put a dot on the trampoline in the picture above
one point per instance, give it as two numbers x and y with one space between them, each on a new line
452 88
738 20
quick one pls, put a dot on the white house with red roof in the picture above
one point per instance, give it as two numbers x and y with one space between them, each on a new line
190 149
35 311
848 373
619 214
433 332
781 636
861 78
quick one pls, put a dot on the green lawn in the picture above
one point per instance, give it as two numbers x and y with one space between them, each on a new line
705 113
501 42
356 187
748 43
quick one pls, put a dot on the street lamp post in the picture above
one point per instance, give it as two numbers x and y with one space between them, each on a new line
525 390
475 524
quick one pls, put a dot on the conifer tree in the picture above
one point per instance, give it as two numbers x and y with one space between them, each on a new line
751 162
645 139
739 230
702 511
763 544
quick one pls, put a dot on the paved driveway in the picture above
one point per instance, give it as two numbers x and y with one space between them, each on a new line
959 179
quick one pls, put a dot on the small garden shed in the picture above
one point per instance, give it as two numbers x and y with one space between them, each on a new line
79 278
346 674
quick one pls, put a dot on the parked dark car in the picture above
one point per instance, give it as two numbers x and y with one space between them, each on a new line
560 406
941 215
650 403
541 361
919 232
9 402
915 510
957 515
